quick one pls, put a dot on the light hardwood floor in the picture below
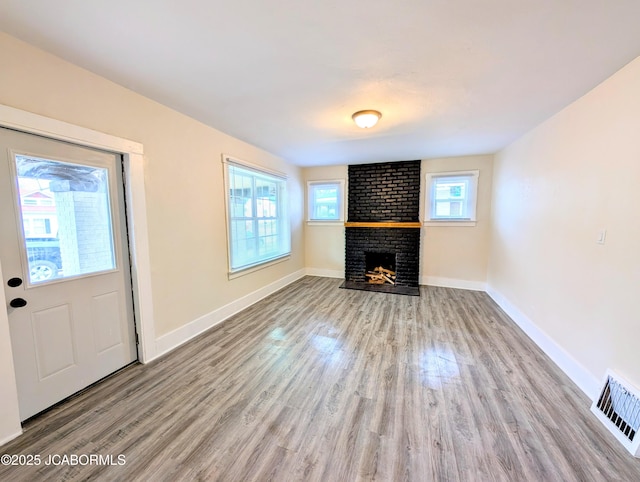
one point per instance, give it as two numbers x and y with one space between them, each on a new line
323 384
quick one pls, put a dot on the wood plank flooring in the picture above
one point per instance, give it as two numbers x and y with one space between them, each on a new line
317 383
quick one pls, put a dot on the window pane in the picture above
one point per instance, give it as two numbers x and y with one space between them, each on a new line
455 209
257 217
443 209
41 226
66 217
268 237
324 201
240 194
452 195
451 190
266 202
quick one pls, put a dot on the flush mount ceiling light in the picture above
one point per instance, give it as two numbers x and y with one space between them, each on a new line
366 118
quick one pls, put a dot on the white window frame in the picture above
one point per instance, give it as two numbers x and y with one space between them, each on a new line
282 217
432 179
340 183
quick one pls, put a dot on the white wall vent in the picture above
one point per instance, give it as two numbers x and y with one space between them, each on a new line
618 408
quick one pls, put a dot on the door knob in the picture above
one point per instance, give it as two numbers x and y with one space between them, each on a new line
14 282
17 303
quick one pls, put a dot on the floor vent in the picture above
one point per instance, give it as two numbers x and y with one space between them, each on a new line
618 408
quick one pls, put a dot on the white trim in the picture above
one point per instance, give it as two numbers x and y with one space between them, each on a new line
139 252
325 273
457 224
325 223
136 203
10 426
10 438
226 159
282 217
132 153
570 366
262 265
24 121
471 200
179 336
453 283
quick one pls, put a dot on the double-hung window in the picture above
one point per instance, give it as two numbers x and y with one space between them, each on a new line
257 220
451 196
325 201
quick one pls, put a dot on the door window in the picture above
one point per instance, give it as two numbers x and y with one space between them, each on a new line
66 218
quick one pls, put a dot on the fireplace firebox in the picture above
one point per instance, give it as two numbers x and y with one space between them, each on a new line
373 260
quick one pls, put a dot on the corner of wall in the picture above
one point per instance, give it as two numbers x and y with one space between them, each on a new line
324 273
453 283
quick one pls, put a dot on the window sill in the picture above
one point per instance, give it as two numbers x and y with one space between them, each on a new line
257 267
449 223
325 223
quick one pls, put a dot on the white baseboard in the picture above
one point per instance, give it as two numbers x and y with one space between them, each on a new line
325 273
453 283
179 336
571 367
10 438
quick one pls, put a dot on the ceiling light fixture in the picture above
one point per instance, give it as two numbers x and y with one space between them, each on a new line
366 118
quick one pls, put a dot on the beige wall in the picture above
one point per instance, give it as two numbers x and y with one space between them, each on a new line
324 243
183 182
457 255
554 191
185 198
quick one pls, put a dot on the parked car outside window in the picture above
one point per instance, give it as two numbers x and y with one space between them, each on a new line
44 258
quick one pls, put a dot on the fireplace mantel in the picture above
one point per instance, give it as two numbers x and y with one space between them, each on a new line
382 224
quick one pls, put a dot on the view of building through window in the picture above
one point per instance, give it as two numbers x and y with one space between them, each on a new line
66 218
450 198
325 200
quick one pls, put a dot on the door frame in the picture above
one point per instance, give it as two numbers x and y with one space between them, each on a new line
135 206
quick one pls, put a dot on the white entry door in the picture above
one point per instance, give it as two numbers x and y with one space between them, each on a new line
65 262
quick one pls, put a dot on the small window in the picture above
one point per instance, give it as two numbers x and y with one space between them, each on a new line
41 226
452 196
325 200
257 219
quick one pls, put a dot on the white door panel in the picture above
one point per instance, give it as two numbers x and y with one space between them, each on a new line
63 234
53 334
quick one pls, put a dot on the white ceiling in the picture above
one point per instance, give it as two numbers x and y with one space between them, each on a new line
451 77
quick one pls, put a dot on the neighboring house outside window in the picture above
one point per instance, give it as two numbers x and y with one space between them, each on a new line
325 201
39 215
451 197
257 220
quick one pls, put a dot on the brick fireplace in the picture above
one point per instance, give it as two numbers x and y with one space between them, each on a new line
383 227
